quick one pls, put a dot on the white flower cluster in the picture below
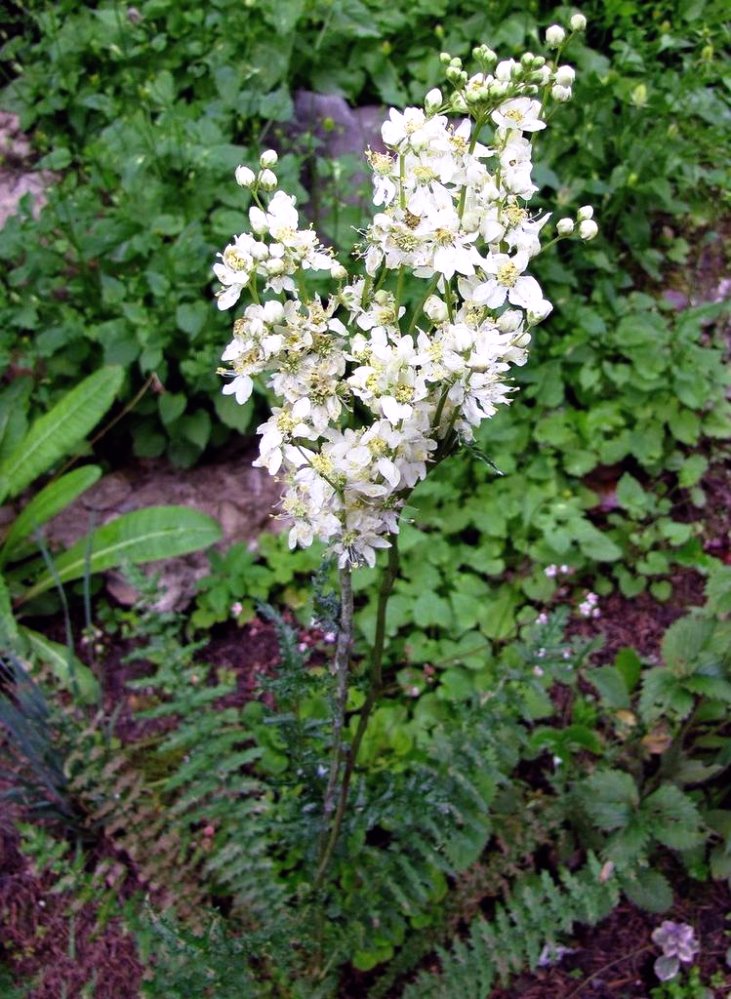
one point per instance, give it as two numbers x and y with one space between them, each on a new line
373 387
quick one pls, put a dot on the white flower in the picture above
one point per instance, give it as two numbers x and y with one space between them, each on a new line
577 22
433 100
268 180
508 282
520 113
588 229
561 94
241 388
586 212
268 159
564 227
245 176
555 35
565 76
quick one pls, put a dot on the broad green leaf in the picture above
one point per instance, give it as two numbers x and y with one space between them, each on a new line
611 686
56 496
629 665
71 673
593 543
8 627
611 798
673 818
56 434
649 890
683 642
13 419
632 496
140 536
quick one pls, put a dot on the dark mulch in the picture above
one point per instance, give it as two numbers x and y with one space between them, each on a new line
615 960
55 943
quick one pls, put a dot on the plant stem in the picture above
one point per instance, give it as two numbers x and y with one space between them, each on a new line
388 578
340 668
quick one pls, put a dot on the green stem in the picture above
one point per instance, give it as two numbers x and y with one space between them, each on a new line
417 311
340 667
388 578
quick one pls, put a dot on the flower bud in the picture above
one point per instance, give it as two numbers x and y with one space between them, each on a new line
539 312
458 104
587 212
588 229
498 88
509 321
257 220
505 70
445 58
565 76
436 309
245 176
561 94
564 227
433 100
268 159
555 35
268 180
578 22
338 272
274 265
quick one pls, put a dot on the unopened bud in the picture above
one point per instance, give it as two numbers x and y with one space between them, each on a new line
539 313
588 229
445 58
245 176
268 180
578 22
561 94
505 70
436 309
564 227
433 100
509 321
555 35
268 159
586 212
565 76
338 272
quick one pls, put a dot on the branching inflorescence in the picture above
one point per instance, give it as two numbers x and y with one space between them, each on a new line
371 393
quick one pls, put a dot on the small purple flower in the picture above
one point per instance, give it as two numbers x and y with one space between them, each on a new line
678 943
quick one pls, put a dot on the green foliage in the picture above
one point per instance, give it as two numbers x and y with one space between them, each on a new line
140 536
539 909
689 985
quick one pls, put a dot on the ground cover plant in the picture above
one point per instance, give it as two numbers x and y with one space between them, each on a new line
438 816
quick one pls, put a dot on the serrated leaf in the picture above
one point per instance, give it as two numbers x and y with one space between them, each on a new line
673 818
631 495
56 434
611 798
594 544
683 642
611 686
140 536
663 692
649 890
